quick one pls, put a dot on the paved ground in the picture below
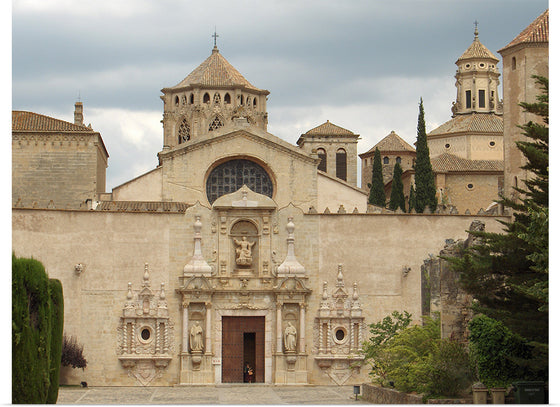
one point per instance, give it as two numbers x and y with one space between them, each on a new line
222 394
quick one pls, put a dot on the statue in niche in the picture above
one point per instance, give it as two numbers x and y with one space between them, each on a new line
290 336
196 337
244 253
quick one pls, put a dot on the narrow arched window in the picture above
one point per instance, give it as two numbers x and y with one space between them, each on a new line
217 98
216 123
385 160
323 156
192 99
176 100
398 160
206 98
241 100
255 103
513 64
341 164
184 133
227 99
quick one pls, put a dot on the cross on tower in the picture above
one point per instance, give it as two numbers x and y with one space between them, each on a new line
215 36
475 28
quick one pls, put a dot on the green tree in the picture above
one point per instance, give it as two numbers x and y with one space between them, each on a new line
424 176
507 273
397 193
411 198
376 188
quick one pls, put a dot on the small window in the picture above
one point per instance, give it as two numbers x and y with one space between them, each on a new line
468 101
323 156
192 99
385 160
481 98
145 334
341 164
467 66
470 187
241 99
482 65
255 102
206 98
447 146
215 124
183 100
340 335
176 100
184 133
513 64
227 99
398 160
217 98
492 143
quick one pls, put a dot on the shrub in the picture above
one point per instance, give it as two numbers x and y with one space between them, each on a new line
57 324
72 353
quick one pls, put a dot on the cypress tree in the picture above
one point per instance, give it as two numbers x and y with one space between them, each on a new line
424 176
397 193
57 327
411 198
377 190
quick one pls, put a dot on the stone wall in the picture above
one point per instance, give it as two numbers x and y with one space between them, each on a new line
381 395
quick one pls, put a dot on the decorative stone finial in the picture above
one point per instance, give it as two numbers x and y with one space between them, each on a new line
290 265
162 292
146 276
197 264
339 277
129 293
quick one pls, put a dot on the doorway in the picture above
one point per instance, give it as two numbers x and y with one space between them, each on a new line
242 342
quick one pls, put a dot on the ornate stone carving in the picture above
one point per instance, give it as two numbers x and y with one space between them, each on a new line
291 266
145 332
290 338
197 265
244 254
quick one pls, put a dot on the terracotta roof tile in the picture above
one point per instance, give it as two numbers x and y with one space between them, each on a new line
474 122
329 129
451 163
536 32
477 50
29 121
216 71
391 142
141 206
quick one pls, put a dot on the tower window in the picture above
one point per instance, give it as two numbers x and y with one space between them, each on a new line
385 160
176 100
468 101
215 124
217 98
323 156
341 164
227 99
255 102
206 98
191 99
241 99
398 160
184 133
513 64
481 98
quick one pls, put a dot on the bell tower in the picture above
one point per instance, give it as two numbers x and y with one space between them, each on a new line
477 81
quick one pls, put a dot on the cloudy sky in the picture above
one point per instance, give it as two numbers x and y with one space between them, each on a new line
363 65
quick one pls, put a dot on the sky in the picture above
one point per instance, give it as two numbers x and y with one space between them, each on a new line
362 65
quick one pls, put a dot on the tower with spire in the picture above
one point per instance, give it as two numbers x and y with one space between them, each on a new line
477 80
213 96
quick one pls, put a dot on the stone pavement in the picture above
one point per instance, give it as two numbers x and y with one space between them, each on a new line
221 394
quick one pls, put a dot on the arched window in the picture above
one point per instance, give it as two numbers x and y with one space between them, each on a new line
183 100
341 164
206 98
227 99
217 98
481 98
255 103
323 156
184 133
385 160
513 64
192 99
241 100
176 100
216 123
228 177
399 160
468 101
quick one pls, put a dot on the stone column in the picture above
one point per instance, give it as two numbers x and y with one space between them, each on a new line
185 327
302 328
208 328
279 327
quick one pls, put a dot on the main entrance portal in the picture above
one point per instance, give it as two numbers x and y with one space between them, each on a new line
242 343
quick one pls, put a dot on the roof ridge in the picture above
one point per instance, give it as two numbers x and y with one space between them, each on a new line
536 32
329 128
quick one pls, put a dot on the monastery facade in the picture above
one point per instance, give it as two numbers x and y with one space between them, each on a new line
238 248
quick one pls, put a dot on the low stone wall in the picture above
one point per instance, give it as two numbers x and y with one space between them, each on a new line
382 395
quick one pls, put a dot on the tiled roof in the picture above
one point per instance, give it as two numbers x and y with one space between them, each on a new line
329 129
29 121
216 71
451 163
474 122
140 206
391 142
537 31
477 50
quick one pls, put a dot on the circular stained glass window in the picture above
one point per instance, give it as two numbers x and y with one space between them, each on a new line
228 177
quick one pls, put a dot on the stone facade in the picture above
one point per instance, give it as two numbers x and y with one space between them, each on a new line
525 56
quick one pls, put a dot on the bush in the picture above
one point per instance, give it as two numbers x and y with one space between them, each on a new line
57 324
72 353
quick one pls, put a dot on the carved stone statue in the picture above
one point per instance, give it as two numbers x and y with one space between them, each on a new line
244 253
290 337
196 337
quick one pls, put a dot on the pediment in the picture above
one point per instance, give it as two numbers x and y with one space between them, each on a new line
244 198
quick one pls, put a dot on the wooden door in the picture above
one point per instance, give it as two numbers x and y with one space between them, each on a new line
242 337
